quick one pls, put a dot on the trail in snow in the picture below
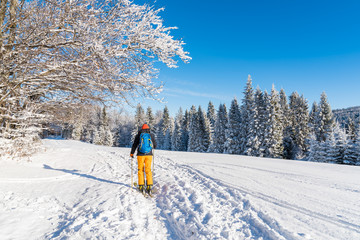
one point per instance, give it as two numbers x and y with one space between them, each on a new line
81 191
198 207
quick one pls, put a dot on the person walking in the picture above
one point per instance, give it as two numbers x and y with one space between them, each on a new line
144 142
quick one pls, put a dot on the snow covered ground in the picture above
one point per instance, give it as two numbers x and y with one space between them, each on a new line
76 190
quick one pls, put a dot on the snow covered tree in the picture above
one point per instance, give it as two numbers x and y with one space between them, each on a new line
105 135
233 129
352 153
78 129
57 54
314 148
123 132
164 130
168 135
149 118
259 124
288 143
194 135
139 120
219 137
185 131
204 130
247 130
211 115
299 122
314 120
337 144
275 131
176 140
326 119
351 130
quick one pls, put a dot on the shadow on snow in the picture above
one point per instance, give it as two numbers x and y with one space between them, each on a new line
76 173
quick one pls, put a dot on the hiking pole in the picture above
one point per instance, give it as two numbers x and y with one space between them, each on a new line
131 184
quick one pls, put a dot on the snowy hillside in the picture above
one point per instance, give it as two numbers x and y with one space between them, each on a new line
76 190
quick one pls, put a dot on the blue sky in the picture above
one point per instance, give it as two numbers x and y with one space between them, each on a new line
304 46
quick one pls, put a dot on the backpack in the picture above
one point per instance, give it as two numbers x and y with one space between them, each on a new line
145 143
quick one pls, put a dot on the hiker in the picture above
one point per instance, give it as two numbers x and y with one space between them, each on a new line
145 143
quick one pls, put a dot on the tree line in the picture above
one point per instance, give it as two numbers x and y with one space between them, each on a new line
263 125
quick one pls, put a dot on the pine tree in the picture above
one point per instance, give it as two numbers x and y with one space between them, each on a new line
352 153
357 149
108 136
233 130
275 132
220 130
211 115
168 135
314 120
139 120
337 144
299 120
351 129
103 135
176 141
259 119
314 148
193 130
185 131
247 118
204 131
326 118
288 143
149 118
164 134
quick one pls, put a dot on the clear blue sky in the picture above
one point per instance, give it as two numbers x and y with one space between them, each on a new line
299 45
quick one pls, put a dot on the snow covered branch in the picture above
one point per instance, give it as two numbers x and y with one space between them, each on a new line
79 51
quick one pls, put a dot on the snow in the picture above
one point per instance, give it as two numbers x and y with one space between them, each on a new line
76 190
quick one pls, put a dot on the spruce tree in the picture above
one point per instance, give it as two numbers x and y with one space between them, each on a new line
314 148
337 144
288 143
211 115
105 127
247 118
176 141
185 131
164 136
139 120
299 120
352 152
193 130
314 120
275 132
219 139
149 118
326 118
204 128
259 126
233 130
168 135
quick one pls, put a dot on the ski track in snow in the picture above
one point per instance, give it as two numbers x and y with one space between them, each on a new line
94 200
198 207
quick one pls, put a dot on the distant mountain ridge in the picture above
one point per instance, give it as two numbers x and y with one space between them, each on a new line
343 115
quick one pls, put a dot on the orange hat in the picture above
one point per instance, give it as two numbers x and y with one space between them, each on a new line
145 126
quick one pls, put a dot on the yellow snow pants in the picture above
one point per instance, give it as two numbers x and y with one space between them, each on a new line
145 162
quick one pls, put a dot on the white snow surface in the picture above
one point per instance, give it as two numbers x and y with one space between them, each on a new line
76 190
